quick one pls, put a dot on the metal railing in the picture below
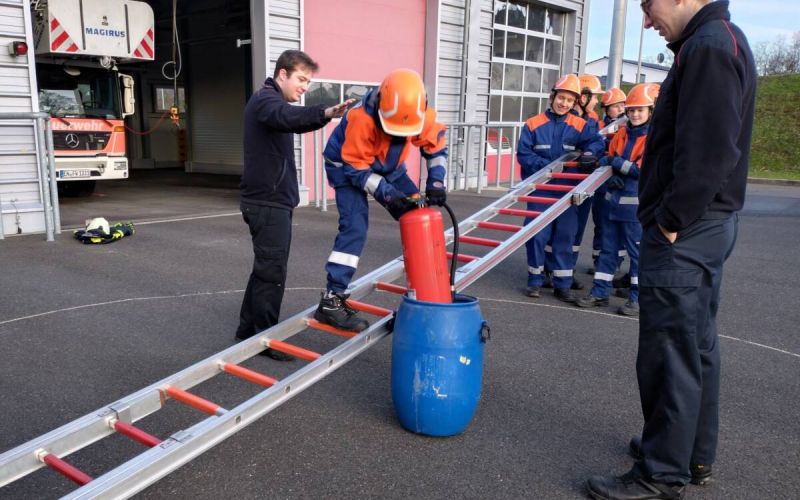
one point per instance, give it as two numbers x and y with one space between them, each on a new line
45 169
470 146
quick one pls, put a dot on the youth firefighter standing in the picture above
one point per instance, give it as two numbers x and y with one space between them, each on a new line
366 155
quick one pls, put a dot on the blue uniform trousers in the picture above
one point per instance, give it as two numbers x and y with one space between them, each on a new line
560 234
678 363
584 209
616 235
351 202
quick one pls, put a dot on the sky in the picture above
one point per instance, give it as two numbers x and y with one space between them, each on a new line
761 21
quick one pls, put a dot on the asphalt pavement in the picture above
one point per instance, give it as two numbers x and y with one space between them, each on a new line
82 326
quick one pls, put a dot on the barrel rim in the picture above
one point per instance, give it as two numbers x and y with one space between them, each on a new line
459 300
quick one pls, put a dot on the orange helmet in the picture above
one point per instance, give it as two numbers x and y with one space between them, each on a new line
613 95
590 82
402 103
569 83
643 94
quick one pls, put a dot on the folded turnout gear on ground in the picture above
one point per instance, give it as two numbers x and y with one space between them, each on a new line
99 232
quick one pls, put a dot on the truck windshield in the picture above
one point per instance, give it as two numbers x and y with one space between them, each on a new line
91 94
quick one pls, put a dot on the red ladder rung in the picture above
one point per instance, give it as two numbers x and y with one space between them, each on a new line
65 469
249 375
390 287
553 187
486 242
462 257
517 211
537 199
499 226
312 323
567 175
136 434
293 350
369 308
195 402
570 164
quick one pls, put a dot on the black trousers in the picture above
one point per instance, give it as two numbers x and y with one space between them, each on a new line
678 364
271 231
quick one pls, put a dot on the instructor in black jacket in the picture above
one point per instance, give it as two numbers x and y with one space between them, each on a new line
692 184
269 190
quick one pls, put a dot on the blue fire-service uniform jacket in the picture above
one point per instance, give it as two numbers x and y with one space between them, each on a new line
544 138
628 146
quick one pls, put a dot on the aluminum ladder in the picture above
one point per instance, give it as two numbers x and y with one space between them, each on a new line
164 456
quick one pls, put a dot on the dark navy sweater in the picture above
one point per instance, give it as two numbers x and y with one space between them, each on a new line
270 122
698 147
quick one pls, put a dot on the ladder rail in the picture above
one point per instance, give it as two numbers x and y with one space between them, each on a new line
158 461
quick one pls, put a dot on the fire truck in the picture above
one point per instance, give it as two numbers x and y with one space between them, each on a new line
78 44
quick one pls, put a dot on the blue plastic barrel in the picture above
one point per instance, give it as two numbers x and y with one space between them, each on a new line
437 364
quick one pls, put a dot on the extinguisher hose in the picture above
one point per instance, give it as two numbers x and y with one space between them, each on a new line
455 250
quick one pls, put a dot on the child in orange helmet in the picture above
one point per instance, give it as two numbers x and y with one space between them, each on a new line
366 155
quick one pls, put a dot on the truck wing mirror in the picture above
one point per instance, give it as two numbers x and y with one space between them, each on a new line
128 99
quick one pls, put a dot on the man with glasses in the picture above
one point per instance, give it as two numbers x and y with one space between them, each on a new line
692 183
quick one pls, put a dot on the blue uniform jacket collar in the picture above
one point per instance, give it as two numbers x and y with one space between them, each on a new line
638 131
554 117
715 11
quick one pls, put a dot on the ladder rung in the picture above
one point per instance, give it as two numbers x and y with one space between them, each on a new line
499 226
390 287
312 323
249 375
553 187
369 308
486 242
293 350
136 434
566 175
537 199
195 402
65 469
570 164
462 257
517 211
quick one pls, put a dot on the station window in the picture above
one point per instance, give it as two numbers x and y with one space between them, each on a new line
332 93
527 53
164 99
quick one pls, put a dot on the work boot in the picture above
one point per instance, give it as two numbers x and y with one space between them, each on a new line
701 474
333 310
533 291
631 486
577 285
623 281
592 301
548 280
629 309
565 295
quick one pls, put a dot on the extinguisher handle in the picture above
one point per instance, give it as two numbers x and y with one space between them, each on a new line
486 332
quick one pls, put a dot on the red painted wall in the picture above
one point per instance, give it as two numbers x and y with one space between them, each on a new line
362 41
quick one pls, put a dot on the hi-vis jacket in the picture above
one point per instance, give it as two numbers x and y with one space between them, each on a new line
547 136
360 153
625 156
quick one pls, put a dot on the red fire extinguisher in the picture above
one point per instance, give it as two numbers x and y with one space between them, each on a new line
424 253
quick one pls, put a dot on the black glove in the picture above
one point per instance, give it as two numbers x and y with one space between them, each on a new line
616 182
587 162
397 207
436 197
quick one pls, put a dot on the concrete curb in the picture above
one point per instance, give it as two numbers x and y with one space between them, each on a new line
774 182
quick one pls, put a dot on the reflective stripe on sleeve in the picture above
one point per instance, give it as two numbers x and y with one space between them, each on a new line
373 181
344 259
634 280
628 200
542 146
626 167
567 147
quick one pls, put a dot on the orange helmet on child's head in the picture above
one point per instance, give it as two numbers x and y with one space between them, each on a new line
612 96
643 94
590 82
402 103
568 83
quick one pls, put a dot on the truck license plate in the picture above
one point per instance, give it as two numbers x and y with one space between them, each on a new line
76 173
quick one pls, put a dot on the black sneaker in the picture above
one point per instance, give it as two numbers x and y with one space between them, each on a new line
577 285
333 310
565 295
591 301
533 291
701 474
623 281
548 280
631 486
629 309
